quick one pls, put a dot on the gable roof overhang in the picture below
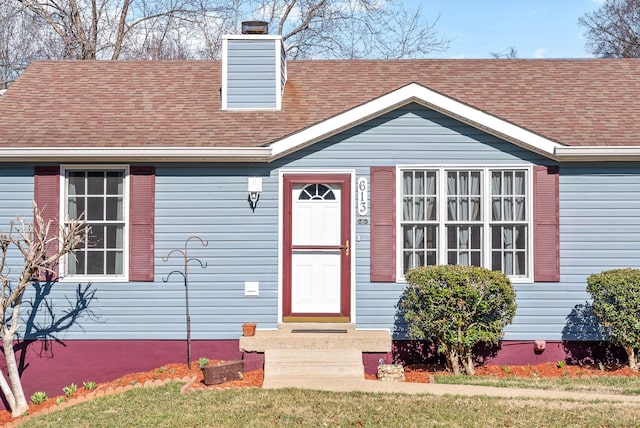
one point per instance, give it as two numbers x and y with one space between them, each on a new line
415 93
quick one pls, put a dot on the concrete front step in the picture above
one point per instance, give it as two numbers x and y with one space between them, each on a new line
317 336
328 363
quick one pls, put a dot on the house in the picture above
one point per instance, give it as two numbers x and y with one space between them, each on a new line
315 185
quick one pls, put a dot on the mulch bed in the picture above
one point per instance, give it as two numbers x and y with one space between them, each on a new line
253 379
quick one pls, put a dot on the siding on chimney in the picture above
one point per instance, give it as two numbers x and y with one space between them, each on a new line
253 72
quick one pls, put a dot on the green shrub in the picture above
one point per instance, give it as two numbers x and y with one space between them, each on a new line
39 397
457 307
202 362
89 385
616 304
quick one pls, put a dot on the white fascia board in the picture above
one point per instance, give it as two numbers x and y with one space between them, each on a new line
424 96
137 154
224 82
598 153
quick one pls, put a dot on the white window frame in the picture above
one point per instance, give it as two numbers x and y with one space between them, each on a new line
124 277
441 191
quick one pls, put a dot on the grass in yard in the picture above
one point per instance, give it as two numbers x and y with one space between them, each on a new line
604 384
166 407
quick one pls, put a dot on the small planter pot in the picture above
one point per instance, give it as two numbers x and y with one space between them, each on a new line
249 329
223 371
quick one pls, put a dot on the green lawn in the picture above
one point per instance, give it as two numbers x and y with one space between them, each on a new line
603 384
166 407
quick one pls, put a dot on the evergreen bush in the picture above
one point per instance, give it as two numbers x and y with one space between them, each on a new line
616 304
457 307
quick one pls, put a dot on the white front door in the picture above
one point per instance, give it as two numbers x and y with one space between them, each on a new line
317 284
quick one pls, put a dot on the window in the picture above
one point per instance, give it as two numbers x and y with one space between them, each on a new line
476 216
100 195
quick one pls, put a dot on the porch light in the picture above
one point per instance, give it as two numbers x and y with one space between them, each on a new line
254 188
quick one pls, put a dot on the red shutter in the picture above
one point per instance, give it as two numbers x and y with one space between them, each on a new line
546 224
383 224
142 180
47 198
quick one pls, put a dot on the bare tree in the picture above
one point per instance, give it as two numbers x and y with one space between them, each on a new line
613 30
40 249
192 29
511 53
350 28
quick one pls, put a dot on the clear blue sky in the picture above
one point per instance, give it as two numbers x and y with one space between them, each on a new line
535 28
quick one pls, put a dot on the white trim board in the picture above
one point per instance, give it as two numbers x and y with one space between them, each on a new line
424 96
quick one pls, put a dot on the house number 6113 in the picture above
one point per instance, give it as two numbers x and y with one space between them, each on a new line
363 202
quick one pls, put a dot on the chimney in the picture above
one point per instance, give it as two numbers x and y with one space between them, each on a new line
254 69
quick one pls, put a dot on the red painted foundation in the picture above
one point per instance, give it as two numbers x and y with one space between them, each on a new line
49 366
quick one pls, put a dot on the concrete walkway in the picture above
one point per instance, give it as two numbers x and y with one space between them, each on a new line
350 384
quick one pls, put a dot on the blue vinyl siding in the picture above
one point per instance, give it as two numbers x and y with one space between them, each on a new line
16 196
210 201
251 74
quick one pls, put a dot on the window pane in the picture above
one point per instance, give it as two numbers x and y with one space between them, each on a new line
520 210
115 236
95 263
508 183
452 209
115 182
431 209
521 237
95 183
496 183
114 262
509 249
475 210
496 260
95 208
496 209
519 184
496 238
475 259
76 263
76 183
407 211
419 183
75 207
508 209
408 237
114 209
96 238
521 263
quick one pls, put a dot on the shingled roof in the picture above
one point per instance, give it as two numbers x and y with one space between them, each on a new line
88 104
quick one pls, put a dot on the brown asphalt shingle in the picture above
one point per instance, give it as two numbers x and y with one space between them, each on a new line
177 103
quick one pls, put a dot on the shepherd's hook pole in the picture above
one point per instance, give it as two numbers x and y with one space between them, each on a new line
185 276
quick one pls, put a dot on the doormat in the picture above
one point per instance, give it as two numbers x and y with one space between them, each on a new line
318 330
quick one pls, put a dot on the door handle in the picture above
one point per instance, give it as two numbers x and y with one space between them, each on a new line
346 248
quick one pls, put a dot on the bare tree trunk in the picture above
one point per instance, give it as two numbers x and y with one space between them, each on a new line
453 361
469 367
631 355
19 405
